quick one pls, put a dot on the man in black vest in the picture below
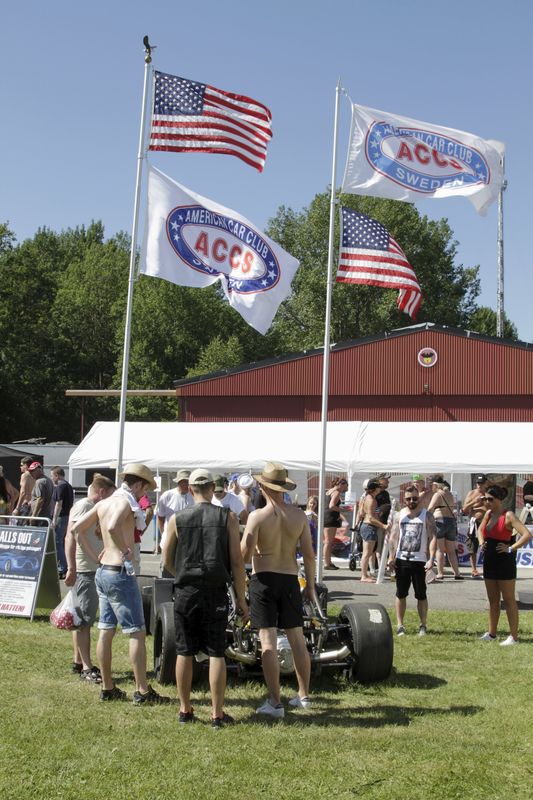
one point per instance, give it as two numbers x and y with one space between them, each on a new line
202 550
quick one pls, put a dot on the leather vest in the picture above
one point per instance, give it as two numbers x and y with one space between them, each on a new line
202 551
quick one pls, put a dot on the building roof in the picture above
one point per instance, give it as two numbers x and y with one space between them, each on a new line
351 343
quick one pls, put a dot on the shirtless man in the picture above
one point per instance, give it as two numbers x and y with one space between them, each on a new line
271 537
475 508
118 591
23 507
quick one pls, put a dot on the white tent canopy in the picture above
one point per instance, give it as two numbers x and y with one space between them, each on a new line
352 447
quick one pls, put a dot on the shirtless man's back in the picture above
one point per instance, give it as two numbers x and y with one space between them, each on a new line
271 537
116 583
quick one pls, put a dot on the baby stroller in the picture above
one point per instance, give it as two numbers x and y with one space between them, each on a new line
356 548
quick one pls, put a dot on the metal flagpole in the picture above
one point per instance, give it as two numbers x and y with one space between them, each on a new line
325 370
500 314
127 330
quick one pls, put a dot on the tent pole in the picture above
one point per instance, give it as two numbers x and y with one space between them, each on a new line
325 370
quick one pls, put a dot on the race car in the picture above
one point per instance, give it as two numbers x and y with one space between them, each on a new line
358 642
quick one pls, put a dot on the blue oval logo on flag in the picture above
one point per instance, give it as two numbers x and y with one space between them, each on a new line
423 160
215 244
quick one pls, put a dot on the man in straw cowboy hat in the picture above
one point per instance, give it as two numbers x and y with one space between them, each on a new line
271 537
202 552
118 591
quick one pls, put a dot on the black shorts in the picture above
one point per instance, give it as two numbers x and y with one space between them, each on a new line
275 600
498 566
201 618
407 573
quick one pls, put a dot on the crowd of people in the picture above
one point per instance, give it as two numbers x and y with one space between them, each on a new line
210 527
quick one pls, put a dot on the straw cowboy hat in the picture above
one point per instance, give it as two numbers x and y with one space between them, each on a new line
140 471
274 476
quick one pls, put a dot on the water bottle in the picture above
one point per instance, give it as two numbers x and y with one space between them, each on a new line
128 566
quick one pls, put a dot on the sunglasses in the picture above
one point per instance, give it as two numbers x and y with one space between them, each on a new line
411 499
488 499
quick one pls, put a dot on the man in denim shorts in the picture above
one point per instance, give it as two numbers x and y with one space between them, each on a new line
82 565
116 583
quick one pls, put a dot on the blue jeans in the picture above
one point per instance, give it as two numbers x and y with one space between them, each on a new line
120 601
61 531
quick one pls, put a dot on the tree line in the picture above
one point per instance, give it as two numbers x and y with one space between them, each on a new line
63 302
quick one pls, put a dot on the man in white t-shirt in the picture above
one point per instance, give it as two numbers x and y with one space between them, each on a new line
82 565
413 545
228 500
173 500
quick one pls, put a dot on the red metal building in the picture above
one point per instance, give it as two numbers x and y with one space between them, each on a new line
422 373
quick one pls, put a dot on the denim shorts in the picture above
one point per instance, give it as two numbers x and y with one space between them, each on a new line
87 596
120 601
369 533
446 528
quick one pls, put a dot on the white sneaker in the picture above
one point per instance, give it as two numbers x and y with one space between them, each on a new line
422 630
300 702
508 642
487 638
278 712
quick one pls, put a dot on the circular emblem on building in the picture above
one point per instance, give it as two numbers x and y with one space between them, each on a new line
427 357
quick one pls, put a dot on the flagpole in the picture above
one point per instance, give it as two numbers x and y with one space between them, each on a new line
131 282
500 313
325 368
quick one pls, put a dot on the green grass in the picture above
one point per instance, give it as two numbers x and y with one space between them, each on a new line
453 721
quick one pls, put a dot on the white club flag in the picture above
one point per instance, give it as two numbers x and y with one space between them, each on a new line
405 159
193 241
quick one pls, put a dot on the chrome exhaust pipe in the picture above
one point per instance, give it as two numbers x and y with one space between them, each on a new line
331 655
238 655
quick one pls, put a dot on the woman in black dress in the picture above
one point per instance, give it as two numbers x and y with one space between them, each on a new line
499 545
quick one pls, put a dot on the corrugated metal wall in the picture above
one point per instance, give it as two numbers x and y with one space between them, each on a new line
473 379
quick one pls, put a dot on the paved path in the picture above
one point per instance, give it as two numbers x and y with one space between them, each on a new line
345 586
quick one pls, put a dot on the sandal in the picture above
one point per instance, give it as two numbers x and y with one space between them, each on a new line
91 675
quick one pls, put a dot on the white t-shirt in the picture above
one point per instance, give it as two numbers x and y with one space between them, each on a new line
230 501
170 502
413 538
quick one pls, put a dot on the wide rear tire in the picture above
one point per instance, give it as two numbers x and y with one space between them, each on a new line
165 644
372 641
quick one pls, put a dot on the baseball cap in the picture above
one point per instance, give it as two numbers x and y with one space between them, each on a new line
35 465
199 477
181 475
220 483
479 478
245 481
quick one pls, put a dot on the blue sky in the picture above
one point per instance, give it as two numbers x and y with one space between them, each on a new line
72 84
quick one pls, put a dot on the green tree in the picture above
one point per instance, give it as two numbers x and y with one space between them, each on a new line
483 320
220 353
449 290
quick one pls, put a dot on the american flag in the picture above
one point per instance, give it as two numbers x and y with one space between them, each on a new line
194 117
370 255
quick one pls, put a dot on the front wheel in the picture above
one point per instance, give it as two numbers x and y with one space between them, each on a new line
371 642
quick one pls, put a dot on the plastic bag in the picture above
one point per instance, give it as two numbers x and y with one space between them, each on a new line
67 615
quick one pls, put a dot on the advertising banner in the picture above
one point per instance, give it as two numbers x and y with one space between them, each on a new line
524 556
22 552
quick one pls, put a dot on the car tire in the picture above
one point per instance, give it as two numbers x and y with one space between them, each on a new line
165 644
146 588
372 642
